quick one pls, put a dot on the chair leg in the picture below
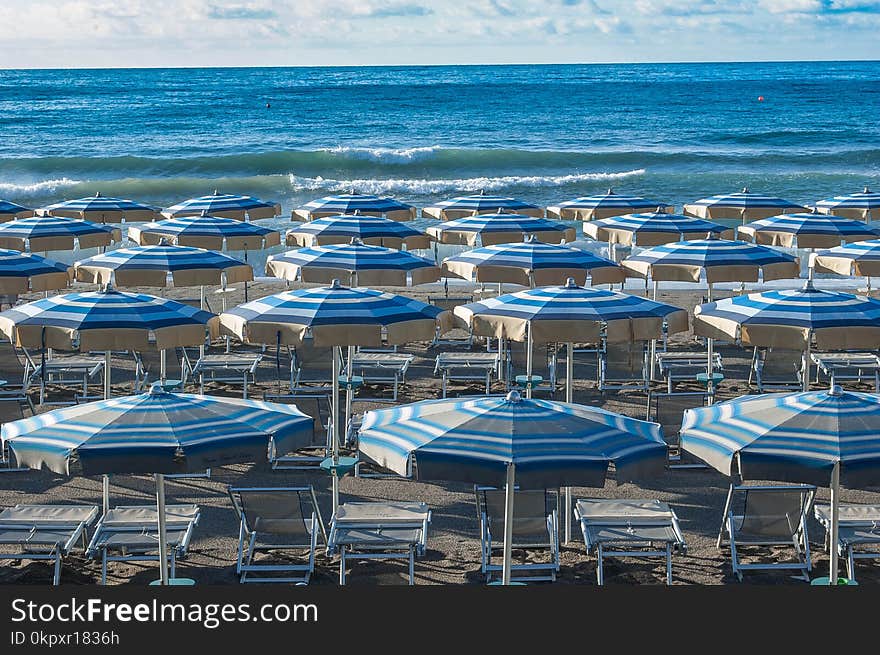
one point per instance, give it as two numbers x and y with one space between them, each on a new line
56 577
669 564
850 564
342 566
412 565
104 566
600 574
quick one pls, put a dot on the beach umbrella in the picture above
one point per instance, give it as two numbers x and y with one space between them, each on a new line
334 316
205 231
348 203
806 231
372 230
652 229
158 433
744 206
479 203
794 318
495 228
862 258
101 209
10 211
509 441
356 262
22 272
809 437
858 206
532 263
45 233
224 205
607 205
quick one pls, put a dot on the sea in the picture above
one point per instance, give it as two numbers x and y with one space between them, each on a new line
543 133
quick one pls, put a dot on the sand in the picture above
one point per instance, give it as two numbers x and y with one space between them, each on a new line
453 547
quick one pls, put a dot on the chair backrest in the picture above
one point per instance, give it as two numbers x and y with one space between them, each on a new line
307 356
624 360
449 302
278 510
781 363
667 409
774 512
530 511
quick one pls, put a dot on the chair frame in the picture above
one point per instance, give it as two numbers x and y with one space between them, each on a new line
759 356
846 546
617 384
673 451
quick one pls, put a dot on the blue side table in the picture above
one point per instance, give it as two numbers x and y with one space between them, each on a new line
526 382
174 582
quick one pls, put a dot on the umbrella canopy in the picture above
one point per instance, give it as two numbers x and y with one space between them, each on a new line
156 432
492 229
101 209
479 204
362 264
607 205
150 265
23 272
744 205
348 203
106 320
862 258
793 318
532 263
10 211
652 229
806 231
372 230
226 206
44 233
552 444
858 206
204 231
719 259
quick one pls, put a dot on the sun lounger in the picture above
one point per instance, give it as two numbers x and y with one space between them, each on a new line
629 528
535 528
130 533
777 369
544 362
68 369
449 303
382 368
277 519
311 367
684 366
851 367
858 526
623 366
221 367
379 530
45 532
667 409
466 367
317 405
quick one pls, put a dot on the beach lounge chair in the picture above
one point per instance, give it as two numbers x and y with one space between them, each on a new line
543 365
629 528
684 366
777 369
841 367
311 367
379 530
770 516
858 528
12 408
277 519
45 532
317 406
130 533
382 369
535 528
668 409
466 367
623 366
449 303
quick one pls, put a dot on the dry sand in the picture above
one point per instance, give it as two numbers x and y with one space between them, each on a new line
453 546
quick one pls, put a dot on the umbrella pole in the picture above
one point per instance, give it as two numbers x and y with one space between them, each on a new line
805 365
508 522
653 341
710 355
569 398
529 347
245 282
163 542
202 307
335 425
349 389
106 374
105 493
163 365
835 512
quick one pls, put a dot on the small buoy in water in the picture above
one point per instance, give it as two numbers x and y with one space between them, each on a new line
268 105
760 98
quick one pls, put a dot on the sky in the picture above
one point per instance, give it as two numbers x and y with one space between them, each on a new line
136 33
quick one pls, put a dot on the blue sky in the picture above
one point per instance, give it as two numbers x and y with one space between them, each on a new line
89 33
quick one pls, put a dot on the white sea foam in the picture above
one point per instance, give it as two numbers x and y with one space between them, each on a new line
386 155
34 188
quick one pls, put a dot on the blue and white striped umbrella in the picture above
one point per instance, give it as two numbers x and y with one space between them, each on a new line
101 209
862 258
150 265
23 272
744 206
10 211
720 260
44 233
652 229
480 203
106 320
372 230
532 263
226 206
348 203
204 231
806 231
492 229
359 264
858 206
607 205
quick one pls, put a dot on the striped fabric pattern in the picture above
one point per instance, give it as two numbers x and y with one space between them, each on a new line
205 231
785 318
23 272
149 266
572 313
606 205
493 229
855 205
103 209
807 231
362 263
551 444
102 320
44 233
335 316
373 230
480 203
349 203
794 437
650 229
744 204
861 258
226 206
721 260
10 211
156 432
